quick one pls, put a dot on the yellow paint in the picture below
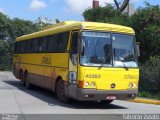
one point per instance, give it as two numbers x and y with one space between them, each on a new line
109 76
70 25
147 101
34 63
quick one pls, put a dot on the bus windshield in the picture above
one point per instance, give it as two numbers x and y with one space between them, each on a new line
106 49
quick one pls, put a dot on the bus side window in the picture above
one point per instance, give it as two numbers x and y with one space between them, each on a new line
31 46
18 47
15 47
52 43
40 41
62 41
74 42
44 44
27 46
35 44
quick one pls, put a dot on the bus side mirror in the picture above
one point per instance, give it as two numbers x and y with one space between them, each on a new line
80 46
138 49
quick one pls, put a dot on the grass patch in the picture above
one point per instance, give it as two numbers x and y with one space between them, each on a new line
149 95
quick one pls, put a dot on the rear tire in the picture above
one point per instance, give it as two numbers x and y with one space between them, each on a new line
60 91
21 77
27 82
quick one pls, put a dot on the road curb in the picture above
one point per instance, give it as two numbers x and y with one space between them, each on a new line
146 101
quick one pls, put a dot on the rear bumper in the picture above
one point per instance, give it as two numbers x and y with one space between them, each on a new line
95 95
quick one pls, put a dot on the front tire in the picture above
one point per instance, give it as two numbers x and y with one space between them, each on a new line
60 91
27 82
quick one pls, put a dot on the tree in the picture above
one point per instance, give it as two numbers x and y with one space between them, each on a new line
57 21
9 30
107 14
4 56
146 23
123 6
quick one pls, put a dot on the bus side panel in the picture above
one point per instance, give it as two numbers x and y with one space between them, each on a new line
42 68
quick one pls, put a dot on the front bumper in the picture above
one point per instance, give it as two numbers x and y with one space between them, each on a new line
95 95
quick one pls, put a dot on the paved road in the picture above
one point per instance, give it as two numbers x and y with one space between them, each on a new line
15 99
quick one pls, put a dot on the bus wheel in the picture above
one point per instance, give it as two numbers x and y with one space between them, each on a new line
106 101
60 91
27 83
21 77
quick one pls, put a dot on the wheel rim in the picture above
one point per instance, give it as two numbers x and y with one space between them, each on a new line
61 90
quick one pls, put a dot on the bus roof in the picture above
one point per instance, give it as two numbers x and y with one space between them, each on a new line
70 25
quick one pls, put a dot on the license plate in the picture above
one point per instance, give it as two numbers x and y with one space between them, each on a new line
111 97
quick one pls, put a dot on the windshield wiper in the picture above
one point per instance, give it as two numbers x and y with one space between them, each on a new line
102 63
124 66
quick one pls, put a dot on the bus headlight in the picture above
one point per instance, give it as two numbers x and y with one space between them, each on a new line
130 85
92 84
86 84
135 85
72 77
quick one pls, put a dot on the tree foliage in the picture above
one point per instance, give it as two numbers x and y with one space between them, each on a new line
105 14
9 30
146 23
150 75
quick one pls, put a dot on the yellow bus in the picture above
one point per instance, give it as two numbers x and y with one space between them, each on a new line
86 61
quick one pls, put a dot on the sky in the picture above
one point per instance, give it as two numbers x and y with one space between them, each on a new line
54 9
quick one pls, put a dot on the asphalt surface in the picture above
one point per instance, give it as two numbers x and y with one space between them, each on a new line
16 99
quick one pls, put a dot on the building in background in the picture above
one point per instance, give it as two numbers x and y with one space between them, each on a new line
45 20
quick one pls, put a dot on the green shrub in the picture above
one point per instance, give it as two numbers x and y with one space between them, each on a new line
150 75
149 95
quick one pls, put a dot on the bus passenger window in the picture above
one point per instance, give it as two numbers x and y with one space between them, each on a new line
35 44
44 44
15 48
52 43
62 41
40 46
